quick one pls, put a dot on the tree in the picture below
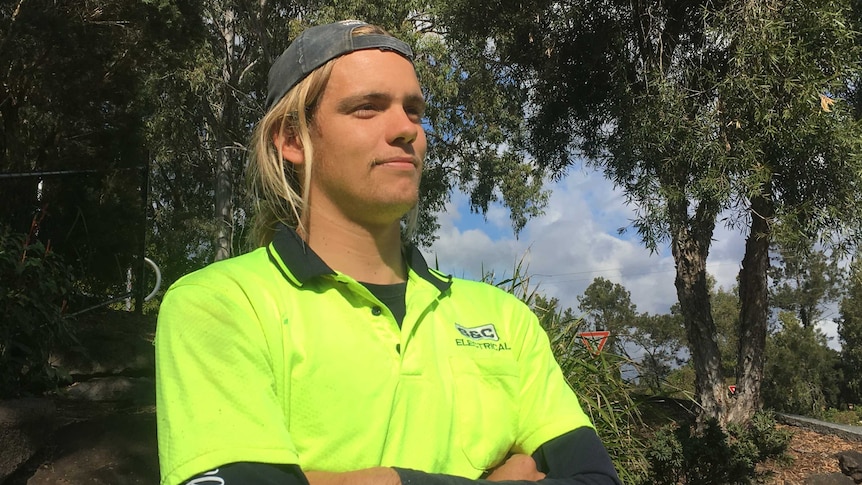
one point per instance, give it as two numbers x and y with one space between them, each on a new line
662 339
802 372
71 145
608 306
803 281
850 334
697 110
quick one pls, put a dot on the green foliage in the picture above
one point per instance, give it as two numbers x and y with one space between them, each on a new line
665 456
608 306
74 98
725 314
679 454
850 417
802 374
850 334
35 284
680 382
804 280
662 338
770 441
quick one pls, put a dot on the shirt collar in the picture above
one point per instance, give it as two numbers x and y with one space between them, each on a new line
298 262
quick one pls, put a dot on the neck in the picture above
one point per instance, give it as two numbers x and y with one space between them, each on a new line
367 253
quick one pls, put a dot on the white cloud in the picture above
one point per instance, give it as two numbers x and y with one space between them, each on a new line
575 242
830 329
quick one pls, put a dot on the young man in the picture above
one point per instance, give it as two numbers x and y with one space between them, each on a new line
334 355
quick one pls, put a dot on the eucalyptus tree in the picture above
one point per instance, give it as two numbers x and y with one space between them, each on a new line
732 112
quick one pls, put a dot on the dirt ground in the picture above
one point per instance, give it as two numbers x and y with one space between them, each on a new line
813 453
105 447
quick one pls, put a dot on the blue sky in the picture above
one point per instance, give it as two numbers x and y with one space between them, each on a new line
575 241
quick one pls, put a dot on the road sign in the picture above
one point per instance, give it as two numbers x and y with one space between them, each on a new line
595 341
732 389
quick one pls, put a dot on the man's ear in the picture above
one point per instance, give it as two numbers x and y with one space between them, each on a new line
289 146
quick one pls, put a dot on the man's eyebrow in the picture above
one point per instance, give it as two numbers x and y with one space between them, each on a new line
415 99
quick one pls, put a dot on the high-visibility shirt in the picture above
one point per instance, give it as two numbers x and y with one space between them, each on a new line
273 357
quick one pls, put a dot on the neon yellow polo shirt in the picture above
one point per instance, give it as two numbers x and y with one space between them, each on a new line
273 357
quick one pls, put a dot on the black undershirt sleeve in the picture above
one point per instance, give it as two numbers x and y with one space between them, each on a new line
575 458
245 473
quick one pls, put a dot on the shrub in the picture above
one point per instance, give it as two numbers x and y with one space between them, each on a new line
770 441
665 457
34 286
852 417
713 456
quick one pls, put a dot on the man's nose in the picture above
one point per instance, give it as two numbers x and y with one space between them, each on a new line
404 128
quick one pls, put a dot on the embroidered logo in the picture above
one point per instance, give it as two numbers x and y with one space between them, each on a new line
485 332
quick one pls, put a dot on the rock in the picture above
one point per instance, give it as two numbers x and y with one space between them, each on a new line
137 390
111 343
25 426
828 479
850 463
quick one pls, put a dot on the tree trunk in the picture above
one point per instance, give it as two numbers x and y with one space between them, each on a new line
690 250
224 205
753 313
224 162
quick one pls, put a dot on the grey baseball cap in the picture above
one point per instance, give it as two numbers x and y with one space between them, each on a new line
318 45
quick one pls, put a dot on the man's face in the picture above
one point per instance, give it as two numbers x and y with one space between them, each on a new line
368 139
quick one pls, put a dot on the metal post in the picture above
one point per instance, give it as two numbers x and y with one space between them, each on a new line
142 252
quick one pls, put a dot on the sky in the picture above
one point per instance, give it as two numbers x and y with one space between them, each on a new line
574 242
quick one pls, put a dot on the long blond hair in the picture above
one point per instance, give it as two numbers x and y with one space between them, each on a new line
279 188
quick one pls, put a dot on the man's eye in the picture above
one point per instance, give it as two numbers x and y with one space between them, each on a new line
365 108
414 112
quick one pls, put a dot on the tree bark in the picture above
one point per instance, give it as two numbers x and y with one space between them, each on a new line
690 245
753 313
224 162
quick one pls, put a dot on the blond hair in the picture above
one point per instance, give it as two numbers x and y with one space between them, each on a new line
279 188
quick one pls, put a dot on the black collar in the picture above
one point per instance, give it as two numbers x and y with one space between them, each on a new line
305 265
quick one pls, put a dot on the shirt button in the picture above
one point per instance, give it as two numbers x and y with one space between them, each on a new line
376 311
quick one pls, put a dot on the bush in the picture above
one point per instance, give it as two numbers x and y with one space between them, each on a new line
665 457
713 456
852 417
761 431
34 287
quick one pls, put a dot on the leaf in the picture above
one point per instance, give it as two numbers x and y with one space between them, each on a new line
826 103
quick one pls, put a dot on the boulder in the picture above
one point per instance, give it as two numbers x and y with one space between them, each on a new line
25 426
850 463
828 479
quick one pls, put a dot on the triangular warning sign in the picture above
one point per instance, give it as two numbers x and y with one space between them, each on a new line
595 341
732 389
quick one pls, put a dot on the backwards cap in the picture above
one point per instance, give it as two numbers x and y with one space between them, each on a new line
318 45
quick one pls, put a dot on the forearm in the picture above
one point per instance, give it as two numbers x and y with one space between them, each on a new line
413 477
368 476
